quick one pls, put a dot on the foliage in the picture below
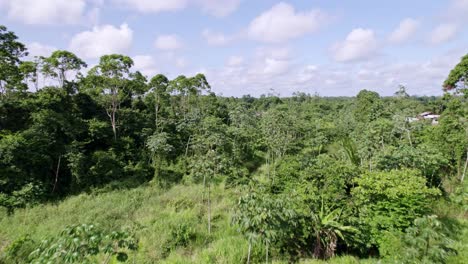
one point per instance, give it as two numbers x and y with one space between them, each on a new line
458 76
263 218
314 177
391 200
327 228
79 243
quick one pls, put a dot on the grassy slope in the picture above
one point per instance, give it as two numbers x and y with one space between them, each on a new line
146 209
153 213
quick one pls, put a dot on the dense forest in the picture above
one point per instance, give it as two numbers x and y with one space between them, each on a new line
106 165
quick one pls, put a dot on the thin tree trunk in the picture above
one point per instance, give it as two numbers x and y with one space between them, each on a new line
209 209
114 126
268 164
156 110
266 255
248 252
464 169
409 137
107 259
187 146
57 174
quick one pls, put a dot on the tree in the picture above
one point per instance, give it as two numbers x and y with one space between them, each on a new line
278 129
327 228
458 76
159 89
107 82
160 147
59 63
369 106
427 241
262 217
391 200
30 70
401 93
11 52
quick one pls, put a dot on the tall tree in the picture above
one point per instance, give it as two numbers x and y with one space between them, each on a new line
108 82
61 62
30 71
11 52
458 76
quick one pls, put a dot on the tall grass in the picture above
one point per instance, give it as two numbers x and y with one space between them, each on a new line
151 213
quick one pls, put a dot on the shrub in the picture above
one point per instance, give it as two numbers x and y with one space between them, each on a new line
79 243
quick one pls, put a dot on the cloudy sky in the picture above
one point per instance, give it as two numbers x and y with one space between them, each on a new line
329 47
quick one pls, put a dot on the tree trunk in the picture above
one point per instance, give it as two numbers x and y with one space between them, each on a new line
248 252
409 137
464 169
156 110
209 209
57 174
62 78
266 253
114 125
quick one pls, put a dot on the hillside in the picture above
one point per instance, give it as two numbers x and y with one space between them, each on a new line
115 166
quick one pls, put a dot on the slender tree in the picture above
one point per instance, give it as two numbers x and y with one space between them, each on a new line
107 81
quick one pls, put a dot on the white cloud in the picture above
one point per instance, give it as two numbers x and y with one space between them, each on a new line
461 4
404 31
458 8
102 40
168 42
145 64
219 8
235 61
307 73
359 44
45 12
216 38
38 49
153 6
271 62
443 33
420 77
282 23
181 62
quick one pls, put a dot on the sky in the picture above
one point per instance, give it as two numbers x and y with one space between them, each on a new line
325 47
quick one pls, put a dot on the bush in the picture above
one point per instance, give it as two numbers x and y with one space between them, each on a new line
80 243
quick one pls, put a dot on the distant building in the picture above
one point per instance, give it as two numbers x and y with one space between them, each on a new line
425 116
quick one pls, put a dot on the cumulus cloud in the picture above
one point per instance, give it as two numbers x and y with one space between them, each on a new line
443 33
235 61
102 40
219 8
168 42
307 73
282 23
181 62
271 61
145 64
39 49
457 10
404 31
360 44
153 6
45 12
420 77
216 38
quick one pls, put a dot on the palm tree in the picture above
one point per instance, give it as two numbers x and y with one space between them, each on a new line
327 228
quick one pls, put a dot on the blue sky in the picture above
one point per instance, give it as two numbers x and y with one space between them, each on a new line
259 46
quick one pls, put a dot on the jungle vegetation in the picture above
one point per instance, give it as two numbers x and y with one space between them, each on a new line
106 165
